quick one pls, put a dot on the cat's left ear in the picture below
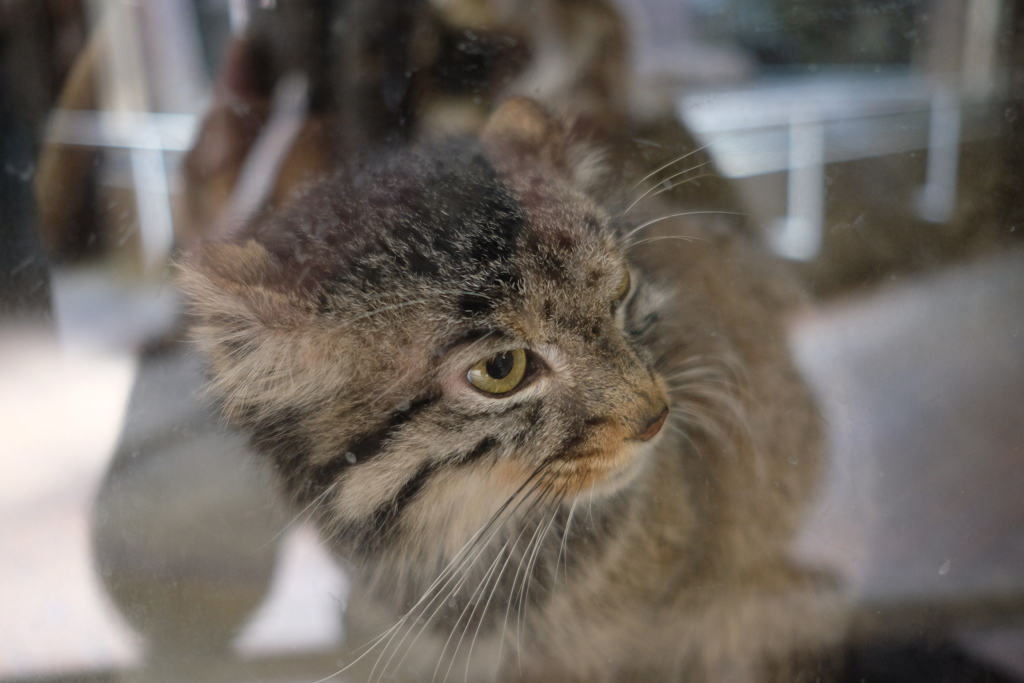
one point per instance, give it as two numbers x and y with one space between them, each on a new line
522 131
520 127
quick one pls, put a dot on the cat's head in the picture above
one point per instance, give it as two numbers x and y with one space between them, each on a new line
420 341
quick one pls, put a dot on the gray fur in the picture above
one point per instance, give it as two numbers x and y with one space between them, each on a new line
535 535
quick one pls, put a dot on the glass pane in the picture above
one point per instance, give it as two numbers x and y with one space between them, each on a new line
511 340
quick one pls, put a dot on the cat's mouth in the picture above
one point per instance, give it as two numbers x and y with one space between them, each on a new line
604 472
610 458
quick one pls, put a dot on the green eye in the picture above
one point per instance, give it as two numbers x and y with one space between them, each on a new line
623 286
499 374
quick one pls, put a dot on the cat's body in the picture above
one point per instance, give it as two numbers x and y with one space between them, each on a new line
459 362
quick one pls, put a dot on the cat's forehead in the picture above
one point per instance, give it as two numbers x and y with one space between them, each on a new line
454 195
442 227
448 209
557 245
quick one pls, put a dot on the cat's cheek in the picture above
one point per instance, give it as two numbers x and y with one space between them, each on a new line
616 479
606 473
633 460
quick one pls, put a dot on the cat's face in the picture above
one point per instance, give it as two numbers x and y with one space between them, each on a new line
414 346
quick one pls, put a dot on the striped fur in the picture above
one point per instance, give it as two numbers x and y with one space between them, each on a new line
539 535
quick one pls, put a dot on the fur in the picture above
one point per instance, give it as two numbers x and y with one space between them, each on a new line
556 533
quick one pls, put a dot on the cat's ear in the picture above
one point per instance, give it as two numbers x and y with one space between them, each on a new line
521 127
256 331
522 130
240 283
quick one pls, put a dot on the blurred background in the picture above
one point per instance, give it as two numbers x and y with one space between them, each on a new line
875 144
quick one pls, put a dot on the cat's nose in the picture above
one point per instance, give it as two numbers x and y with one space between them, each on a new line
653 428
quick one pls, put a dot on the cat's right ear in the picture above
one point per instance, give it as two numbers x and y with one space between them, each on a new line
229 284
255 330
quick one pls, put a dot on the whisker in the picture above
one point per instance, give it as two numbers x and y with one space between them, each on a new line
470 602
666 237
466 563
508 606
682 432
710 397
512 589
703 371
544 494
678 215
523 563
726 366
702 421
483 612
562 547
368 647
678 159
655 187
591 510
532 564
554 515
672 186
314 504
449 572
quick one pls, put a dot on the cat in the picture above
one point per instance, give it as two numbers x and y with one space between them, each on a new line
554 439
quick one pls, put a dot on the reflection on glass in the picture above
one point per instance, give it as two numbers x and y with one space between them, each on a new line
874 146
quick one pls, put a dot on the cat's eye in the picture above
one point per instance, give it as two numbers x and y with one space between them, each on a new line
499 374
623 286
